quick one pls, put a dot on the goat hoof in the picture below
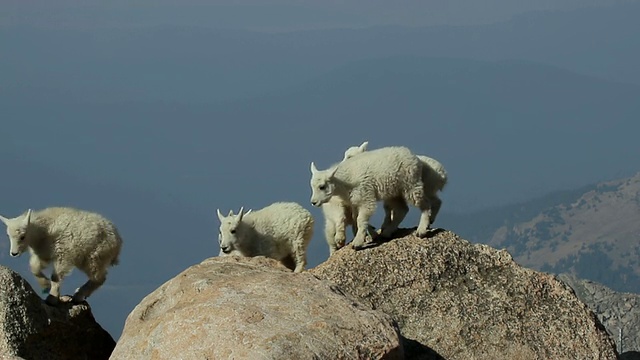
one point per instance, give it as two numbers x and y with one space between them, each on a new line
423 233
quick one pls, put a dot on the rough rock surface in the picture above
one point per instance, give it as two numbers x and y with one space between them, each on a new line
30 329
21 313
615 310
469 301
254 308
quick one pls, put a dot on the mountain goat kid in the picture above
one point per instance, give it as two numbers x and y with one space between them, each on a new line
434 177
279 231
66 238
338 215
383 174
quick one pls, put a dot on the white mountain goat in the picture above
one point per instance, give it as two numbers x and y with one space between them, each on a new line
279 231
434 177
338 216
355 150
66 238
383 174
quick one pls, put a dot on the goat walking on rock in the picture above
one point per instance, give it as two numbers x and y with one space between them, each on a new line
65 238
279 231
434 178
384 174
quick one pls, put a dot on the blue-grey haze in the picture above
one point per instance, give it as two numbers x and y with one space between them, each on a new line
157 121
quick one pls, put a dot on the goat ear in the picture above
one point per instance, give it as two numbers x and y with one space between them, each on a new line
314 169
27 218
220 216
4 220
247 212
364 145
333 172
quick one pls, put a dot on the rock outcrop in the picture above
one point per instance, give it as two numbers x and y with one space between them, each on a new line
468 301
30 329
254 308
615 310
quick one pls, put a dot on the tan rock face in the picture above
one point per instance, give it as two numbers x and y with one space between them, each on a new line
469 301
254 308
21 313
30 329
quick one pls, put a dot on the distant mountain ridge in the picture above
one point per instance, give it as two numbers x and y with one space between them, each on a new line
594 234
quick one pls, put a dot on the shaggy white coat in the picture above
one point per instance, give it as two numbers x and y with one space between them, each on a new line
434 177
278 231
66 238
383 174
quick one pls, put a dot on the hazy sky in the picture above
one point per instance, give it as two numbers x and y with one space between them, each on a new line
274 15
127 122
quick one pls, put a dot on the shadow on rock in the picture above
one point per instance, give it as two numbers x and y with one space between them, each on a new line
378 239
630 355
31 329
73 333
414 350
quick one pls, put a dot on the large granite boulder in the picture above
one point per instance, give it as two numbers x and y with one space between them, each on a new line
467 301
254 308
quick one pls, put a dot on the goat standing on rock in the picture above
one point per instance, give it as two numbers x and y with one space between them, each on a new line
385 174
65 238
279 231
338 215
434 178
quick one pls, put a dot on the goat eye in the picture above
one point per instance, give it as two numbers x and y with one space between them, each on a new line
21 237
322 187
233 231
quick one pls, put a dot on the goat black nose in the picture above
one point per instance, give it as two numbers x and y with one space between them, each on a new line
14 254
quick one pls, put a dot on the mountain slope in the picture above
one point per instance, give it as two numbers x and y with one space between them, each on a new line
596 237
